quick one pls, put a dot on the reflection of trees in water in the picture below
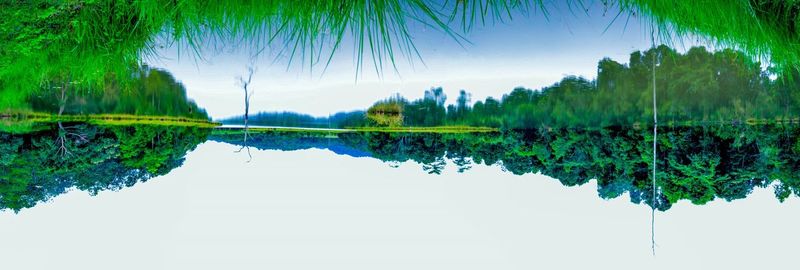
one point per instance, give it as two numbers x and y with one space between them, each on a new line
36 167
69 136
698 164
65 133
248 93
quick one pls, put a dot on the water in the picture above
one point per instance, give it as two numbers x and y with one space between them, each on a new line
361 201
695 164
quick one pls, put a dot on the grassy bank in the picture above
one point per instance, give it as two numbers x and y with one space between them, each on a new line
439 129
274 130
21 122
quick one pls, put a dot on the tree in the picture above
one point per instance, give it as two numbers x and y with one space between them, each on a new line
248 93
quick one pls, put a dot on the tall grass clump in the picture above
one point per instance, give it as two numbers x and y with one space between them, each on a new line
91 42
86 41
767 30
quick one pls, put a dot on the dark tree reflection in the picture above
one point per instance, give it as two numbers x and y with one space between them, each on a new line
37 166
697 164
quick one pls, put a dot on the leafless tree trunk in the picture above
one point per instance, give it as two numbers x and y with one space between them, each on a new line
655 141
65 132
248 93
62 101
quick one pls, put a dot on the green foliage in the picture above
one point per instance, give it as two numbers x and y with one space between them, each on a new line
697 164
149 92
290 119
762 29
388 113
38 166
87 41
397 111
696 87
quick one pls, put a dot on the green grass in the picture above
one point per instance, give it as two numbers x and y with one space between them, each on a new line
20 127
293 131
27 122
769 31
283 129
439 129
90 42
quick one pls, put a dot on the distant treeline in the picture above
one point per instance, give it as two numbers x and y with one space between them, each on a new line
148 92
697 86
145 91
291 119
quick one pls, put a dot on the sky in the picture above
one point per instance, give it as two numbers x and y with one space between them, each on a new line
531 51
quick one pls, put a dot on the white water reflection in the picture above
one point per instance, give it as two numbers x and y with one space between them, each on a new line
312 209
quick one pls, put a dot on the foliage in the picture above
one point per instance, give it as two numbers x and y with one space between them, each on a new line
290 119
696 87
38 166
697 164
388 113
109 38
148 92
762 29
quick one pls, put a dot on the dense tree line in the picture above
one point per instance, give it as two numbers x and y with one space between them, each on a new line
291 119
289 141
699 85
35 167
148 91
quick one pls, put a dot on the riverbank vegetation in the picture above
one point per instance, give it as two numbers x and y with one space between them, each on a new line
698 87
695 87
151 97
29 122
147 92
439 129
291 119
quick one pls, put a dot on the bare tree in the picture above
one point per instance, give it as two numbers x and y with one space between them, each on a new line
62 100
655 141
65 132
248 93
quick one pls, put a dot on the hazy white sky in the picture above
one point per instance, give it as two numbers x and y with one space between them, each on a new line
312 209
531 51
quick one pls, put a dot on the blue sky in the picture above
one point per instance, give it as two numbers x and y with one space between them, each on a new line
531 51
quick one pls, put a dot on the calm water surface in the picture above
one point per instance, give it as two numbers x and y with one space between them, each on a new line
324 203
